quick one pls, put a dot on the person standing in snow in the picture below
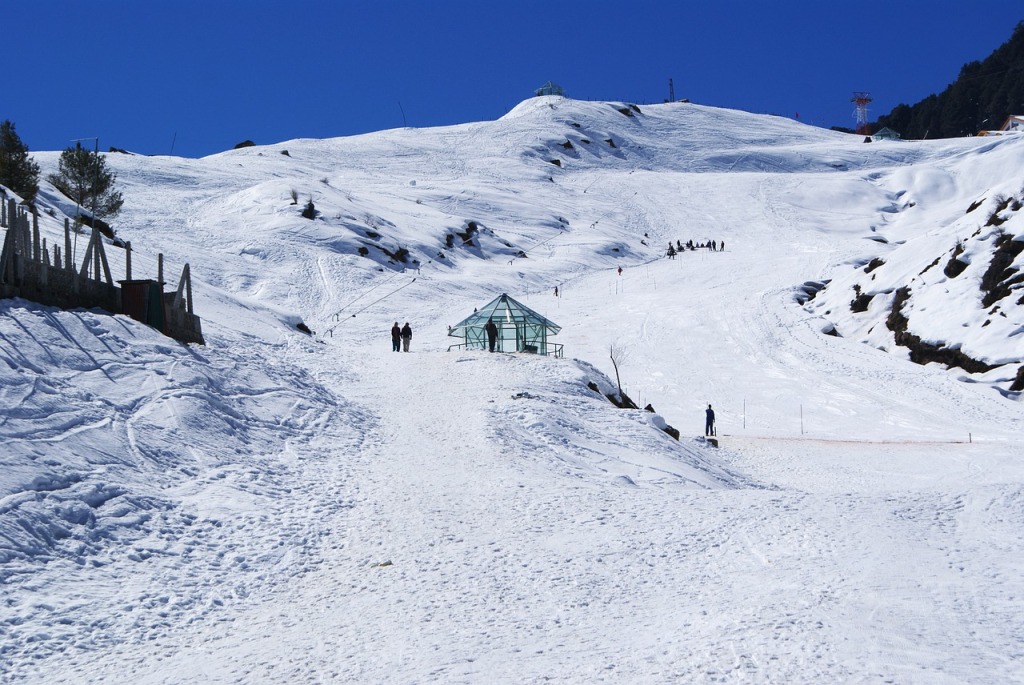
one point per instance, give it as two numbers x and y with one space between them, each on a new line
492 334
396 337
709 423
406 336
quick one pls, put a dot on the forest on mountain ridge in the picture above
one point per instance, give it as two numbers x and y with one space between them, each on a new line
982 97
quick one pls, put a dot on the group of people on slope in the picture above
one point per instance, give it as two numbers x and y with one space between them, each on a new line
400 337
712 245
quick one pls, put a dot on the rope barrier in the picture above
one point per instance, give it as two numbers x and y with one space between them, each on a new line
331 329
390 278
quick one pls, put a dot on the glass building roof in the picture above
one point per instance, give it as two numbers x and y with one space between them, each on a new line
503 309
519 328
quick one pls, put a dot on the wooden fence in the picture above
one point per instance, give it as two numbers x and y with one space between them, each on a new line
26 271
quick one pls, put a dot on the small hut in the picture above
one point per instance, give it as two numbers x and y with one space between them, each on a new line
1014 122
886 133
520 329
549 88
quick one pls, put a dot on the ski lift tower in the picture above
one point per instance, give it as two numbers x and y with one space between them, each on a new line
862 99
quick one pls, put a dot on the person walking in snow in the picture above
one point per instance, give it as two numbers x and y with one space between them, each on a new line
492 334
396 337
709 422
406 336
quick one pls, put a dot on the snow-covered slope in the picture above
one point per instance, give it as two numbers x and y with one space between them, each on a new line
948 259
277 507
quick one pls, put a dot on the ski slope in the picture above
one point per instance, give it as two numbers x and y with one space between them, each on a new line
277 507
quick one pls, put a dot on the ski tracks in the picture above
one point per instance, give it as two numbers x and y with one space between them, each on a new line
237 471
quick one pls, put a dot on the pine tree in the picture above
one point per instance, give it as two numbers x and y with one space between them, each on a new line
17 170
82 175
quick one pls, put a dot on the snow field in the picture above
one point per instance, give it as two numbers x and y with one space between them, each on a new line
281 508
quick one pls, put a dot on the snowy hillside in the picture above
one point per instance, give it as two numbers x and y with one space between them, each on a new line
954 269
283 507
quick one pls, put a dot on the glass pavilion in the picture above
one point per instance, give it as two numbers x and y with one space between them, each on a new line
549 88
520 329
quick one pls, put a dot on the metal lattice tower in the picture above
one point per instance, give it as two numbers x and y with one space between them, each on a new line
862 99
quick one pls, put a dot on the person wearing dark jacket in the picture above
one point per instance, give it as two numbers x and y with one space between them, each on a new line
406 336
492 333
396 338
709 424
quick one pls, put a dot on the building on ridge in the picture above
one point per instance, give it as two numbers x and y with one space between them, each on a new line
549 88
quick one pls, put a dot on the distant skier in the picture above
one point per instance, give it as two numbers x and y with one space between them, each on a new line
709 423
396 337
406 336
492 334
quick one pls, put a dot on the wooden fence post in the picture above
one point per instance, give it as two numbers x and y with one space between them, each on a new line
96 247
44 263
102 259
84 273
67 246
37 254
188 289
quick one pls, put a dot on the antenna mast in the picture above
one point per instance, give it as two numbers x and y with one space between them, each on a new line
861 99
671 92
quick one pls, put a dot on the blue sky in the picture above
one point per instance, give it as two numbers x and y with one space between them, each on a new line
195 78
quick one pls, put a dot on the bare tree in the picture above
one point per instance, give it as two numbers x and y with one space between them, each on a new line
618 356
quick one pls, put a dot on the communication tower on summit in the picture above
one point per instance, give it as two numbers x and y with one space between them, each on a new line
862 99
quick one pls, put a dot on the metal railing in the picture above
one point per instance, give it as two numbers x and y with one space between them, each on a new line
553 349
